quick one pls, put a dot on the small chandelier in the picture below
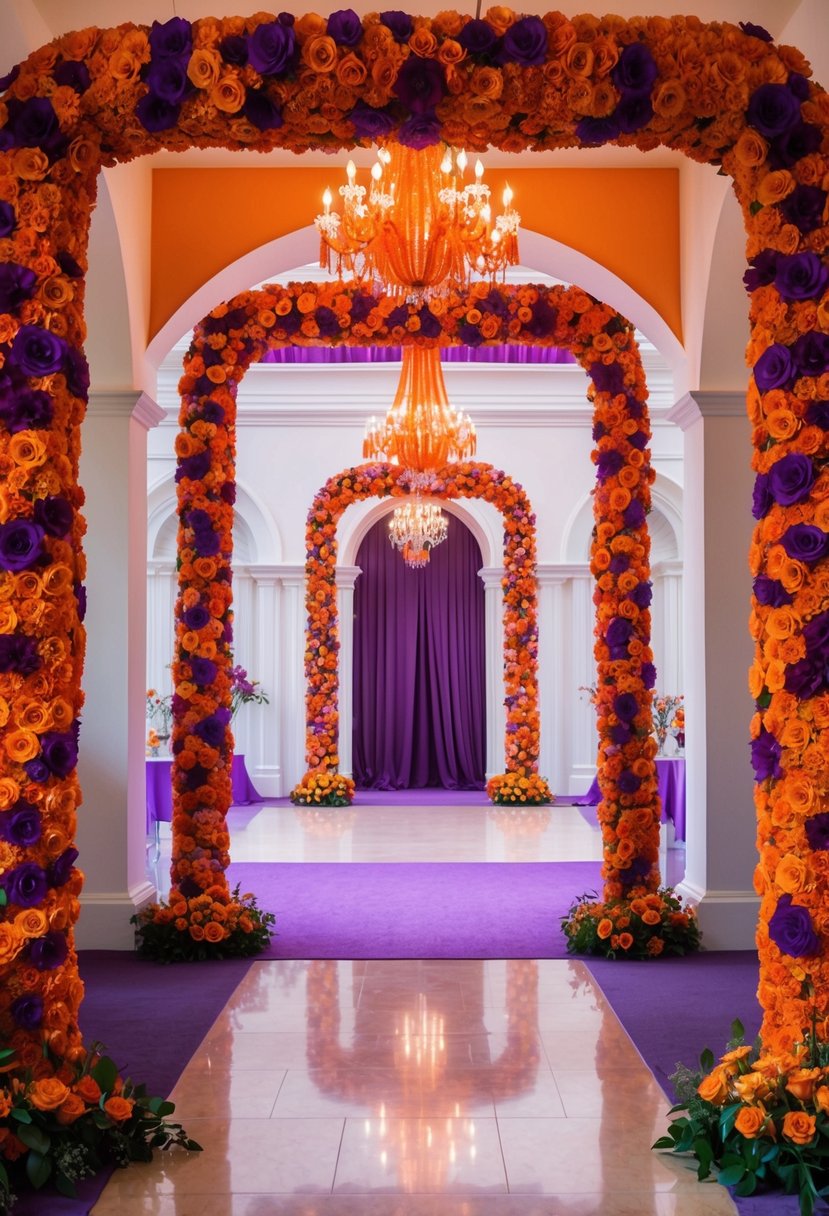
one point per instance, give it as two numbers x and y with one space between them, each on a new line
428 232
421 431
415 528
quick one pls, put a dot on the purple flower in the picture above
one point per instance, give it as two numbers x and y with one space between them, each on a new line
171 39
791 478
400 24
18 652
525 43
772 110
272 48
804 207
543 319
811 353
37 352
620 734
429 323
642 595
607 377
618 632
155 114
77 373
765 756
54 514
21 825
801 276
594 131
791 929
206 543
805 542
629 782
636 69
817 830
625 706
211 730
204 670
633 113
792 146
755 31
212 411
21 544
37 770
420 85
327 322
167 80
816 636
73 73
8 219
634 515
16 285
649 675
34 124
345 27
770 592
775 368
27 1011
470 335
196 617
763 269
261 111
194 467
26 885
234 49
80 596
61 868
419 131
370 123
817 414
59 749
608 463
50 951
477 37
27 409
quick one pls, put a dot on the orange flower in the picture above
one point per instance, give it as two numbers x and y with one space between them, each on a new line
799 1127
714 1087
70 1109
88 1089
750 1121
48 1093
119 1109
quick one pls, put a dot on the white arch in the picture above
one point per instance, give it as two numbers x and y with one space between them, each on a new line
667 500
252 515
359 518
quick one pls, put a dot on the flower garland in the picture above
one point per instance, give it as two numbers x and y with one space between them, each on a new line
721 94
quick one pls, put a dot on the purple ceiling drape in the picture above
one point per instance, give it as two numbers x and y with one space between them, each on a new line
419 675
392 354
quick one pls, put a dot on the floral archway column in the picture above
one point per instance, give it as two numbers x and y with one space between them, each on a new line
496 720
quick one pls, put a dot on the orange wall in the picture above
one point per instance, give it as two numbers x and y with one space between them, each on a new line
204 219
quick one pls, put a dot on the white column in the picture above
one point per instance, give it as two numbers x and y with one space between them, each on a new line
346 578
496 713
265 721
292 667
721 851
161 598
579 639
111 829
558 670
666 629
245 655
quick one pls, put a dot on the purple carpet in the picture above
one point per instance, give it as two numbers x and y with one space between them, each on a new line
417 910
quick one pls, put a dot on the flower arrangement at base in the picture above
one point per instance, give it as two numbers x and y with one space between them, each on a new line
519 787
760 1119
647 926
58 1129
207 926
323 789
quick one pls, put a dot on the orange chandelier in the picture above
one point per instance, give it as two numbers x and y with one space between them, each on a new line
419 228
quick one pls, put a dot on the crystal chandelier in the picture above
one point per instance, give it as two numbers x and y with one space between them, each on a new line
429 231
415 528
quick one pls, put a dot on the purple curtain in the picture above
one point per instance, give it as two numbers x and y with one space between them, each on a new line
391 354
419 681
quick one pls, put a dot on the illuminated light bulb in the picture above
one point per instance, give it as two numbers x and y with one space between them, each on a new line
486 213
460 160
326 200
351 170
377 170
446 163
479 170
507 196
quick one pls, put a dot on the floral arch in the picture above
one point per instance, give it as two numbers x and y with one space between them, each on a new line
721 94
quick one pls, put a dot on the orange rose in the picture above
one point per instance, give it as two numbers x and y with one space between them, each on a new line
214 932
21 745
750 1121
801 1083
228 94
320 54
89 1089
799 1127
48 1093
119 1109
822 1099
625 941
70 1109
714 1087
792 874
604 928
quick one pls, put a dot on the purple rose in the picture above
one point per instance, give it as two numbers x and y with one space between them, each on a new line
327 322
817 414
60 871
633 113
543 319
400 24
8 219
634 515
196 617
50 951
801 276
625 706
765 756
805 542
18 652
791 929
21 825
804 207
618 632
649 675
54 514
26 885
77 373
816 636
80 596
212 411
636 69
272 48
27 409
817 830
38 770
59 749
470 335
621 734
525 43
642 595
419 131
34 124
370 123
211 730
27 1011
608 463
206 543
420 85
811 353
21 544
234 49
204 670
791 478
37 352
167 79
775 368
345 27
787 149
772 110
171 39
594 131
763 269
155 114
193 468
261 111
628 782
429 324
74 74
755 31
607 377
477 37
16 285
770 592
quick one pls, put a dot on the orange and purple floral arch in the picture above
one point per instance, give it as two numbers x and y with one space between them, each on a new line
722 94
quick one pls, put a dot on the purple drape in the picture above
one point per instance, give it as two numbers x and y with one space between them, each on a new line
419 680
391 354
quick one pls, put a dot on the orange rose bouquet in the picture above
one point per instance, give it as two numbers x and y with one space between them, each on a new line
217 923
647 926
519 788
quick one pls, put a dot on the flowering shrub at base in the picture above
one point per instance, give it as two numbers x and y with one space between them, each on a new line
648 926
517 788
215 924
56 1129
759 1119
323 789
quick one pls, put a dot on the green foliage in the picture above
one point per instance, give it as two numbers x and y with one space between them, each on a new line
175 933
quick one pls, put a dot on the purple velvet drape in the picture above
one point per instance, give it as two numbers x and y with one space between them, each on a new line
392 354
419 677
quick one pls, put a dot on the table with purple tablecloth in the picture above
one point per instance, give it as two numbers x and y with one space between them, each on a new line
670 776
160 788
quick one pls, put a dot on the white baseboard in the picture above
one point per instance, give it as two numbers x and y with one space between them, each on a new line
104 922
727 919
268 780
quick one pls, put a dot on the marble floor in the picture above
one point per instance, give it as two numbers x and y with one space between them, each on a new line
416 1088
